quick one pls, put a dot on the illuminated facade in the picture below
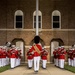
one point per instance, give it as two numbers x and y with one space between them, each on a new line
56 20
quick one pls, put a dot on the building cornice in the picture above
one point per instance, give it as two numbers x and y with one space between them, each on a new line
40 30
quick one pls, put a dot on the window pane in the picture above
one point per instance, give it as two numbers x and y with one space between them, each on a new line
39 18
18 24
34 18
39 25
55 25
55 18
18 18
39 21
34 25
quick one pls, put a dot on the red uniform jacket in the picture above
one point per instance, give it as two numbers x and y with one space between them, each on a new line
55 54
35 52
0 54
62 55
4 54
29 55
44 55
74 54
13 54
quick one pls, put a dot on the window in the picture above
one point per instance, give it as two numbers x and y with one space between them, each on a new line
56 19
39 19
18 19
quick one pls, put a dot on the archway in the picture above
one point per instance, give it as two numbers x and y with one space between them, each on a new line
53 44
18 42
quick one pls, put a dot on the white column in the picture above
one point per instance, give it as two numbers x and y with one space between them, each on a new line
37 17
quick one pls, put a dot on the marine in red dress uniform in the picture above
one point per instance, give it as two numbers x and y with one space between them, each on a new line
0 57
13 58
30 59
44 58
62 57
74 57
36 49
55 56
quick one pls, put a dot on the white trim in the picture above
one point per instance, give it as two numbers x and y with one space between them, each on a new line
27 46
49 46
39 13
39 30
18 12
30 46
67 47
55 13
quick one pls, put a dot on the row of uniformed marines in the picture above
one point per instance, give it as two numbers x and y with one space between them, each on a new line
71 57
59 56
30 59
3 57
44 57
15 57
11 56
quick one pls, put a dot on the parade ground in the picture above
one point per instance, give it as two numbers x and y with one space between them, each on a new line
50 70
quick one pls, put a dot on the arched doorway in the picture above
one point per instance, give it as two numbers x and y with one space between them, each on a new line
18 42
53 44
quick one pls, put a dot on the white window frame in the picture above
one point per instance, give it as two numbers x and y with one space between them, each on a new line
39 14
18 13
56 13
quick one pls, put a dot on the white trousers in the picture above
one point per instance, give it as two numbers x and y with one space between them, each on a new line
0 62
57 62
30 62
13 62
69 61
74 62
36 63
17 62
61 63
3 62
44 63
7 60
54 61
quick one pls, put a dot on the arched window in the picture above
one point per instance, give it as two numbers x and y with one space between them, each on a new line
18 19
39 19
56 19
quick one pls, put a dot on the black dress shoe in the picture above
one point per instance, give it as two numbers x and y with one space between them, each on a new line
44 68
36 71
30 67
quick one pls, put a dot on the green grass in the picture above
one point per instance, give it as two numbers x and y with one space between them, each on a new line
2 69
70 68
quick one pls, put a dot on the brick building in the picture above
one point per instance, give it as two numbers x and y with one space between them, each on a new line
56 23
